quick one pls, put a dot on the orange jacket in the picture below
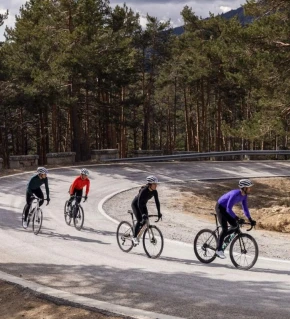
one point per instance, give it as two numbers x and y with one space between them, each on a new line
80 184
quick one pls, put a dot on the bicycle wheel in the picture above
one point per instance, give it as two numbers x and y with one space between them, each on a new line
153 242
124 236
205 245
23 214
244 251
79 217
37 221
67 214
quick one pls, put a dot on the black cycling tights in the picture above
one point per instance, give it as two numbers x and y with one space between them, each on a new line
78 193
138 216
224 218
38 193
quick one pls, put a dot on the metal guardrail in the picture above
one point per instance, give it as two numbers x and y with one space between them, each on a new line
199 155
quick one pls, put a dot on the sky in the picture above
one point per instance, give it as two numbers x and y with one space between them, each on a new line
162 9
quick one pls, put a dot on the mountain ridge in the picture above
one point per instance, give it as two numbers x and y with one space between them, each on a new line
239 12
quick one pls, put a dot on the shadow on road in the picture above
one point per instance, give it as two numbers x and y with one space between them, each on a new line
182 294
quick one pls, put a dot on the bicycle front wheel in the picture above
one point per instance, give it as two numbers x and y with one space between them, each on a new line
153 242
79 217
37 221
67 214
244 251
124 236
205 245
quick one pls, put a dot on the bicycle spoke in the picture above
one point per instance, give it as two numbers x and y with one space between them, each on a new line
204 245
153 242
37 221
79 217
244 251
124 236
67 213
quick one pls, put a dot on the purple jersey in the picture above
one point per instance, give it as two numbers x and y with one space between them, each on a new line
231 198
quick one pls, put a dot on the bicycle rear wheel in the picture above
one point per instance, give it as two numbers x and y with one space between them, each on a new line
205 245
153 242
23 214
124 236
67 214
79 217
37 221
244 251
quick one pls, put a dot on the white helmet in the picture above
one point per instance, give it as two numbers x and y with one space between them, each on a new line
42 170
152 179
84 171
245 183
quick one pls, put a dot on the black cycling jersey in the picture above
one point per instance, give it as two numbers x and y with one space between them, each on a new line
33 187
139 205
142 198
35 183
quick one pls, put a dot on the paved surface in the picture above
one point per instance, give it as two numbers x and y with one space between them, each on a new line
90 264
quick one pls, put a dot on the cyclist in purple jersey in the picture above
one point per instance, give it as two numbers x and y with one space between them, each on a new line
225 214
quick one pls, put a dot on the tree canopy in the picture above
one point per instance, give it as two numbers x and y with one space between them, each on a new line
80 75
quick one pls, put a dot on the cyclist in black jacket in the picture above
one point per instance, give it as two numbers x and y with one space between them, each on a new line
140 201
33 188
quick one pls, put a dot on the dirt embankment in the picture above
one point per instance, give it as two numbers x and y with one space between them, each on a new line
269 200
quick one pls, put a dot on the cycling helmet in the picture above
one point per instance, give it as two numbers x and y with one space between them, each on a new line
84 171
42 170
152 179
245 183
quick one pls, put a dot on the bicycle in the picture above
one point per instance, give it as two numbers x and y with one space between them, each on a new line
74 211
35 214
242 246
152 237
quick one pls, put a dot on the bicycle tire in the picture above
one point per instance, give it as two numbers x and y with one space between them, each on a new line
67 216
78 217
239 254
152 242
23 214
205 245
124 236
37 221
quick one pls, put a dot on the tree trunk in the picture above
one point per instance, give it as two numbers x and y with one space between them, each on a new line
187 122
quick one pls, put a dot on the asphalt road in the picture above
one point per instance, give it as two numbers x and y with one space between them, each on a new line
89 262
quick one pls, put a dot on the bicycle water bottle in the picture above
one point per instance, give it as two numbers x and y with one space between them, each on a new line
227 240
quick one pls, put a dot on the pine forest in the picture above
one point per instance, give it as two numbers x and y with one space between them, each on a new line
78 75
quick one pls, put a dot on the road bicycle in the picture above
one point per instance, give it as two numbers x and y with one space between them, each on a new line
152 237
74 212
243 252
34 214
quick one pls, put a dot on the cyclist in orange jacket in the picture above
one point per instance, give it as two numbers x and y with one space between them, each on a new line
77 186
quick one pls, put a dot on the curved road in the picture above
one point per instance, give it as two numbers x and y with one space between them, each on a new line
90 264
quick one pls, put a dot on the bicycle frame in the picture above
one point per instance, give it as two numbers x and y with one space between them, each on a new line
75 202
134 221
237 231
144 227
33 208
218 227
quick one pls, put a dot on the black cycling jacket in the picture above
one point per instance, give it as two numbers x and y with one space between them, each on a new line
35 183
142 198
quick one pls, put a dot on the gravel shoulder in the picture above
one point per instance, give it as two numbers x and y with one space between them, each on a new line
19 302
185 212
